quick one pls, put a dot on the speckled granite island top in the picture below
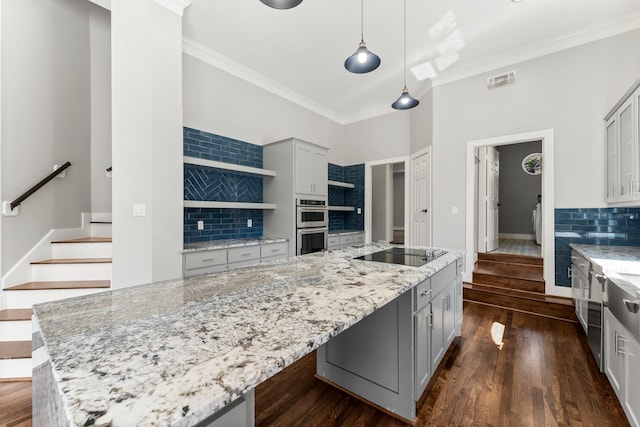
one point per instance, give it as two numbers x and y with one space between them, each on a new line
231 243
172 353
619 263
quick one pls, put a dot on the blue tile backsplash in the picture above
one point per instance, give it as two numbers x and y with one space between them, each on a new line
339 196
202 183
592 226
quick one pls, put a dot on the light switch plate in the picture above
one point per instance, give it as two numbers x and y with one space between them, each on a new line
200 225
139 210
454 210
249 223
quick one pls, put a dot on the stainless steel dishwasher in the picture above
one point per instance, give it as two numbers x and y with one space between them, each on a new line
595 304
624 304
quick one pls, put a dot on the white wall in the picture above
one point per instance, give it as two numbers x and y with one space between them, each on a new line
217 102
422 123
569 91
100 40
45 118
379 203
147 142
379 138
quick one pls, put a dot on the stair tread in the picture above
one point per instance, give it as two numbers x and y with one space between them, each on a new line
15 349
75 284
86 240
13 314
511 258
73 261
524 275
100 222
517 293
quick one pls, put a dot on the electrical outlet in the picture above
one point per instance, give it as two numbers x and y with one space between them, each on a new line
139 210
249 223
359 211
454 210
200 225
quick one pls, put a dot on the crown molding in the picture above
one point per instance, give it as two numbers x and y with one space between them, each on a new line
605 29
175 6
228 65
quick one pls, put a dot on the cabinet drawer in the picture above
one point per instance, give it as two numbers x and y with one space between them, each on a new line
245 253
205 259
442 278
358 238
333 242
205 270
274 249
346 240
422 294
273 258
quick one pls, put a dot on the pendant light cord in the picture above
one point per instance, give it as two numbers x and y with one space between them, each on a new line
361 20
405 44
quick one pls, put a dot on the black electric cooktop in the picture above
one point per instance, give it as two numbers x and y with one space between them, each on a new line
404 256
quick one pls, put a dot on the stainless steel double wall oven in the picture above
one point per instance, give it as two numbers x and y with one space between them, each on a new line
312 225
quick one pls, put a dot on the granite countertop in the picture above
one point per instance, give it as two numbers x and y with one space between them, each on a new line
344 232
172 353
231 243
619 263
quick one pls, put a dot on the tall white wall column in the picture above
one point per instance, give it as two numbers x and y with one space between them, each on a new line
146 42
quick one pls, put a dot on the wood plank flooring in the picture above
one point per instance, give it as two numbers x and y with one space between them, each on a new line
508 369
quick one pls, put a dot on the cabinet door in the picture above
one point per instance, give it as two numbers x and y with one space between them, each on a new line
626 150
584 301
458 304
320 172
422 320
613 357
612 159
437 330
632 381
449 315
576 292
304 166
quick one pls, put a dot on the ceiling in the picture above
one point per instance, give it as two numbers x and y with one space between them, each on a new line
299 53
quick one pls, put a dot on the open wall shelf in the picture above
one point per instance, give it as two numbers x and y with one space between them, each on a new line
227 166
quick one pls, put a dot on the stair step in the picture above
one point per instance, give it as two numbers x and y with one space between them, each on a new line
72 284
15 349
509 269
86 240
56 261
15 314
100 222
510 282
526 302
510 258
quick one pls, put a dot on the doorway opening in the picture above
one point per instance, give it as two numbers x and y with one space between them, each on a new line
386 205
546 137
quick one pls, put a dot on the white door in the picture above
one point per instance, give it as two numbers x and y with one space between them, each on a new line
493 202
421 198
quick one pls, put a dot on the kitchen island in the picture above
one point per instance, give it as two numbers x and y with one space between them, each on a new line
176 352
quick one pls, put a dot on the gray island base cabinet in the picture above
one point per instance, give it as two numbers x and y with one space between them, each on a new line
389 357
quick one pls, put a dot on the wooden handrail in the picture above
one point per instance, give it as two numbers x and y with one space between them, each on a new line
38 186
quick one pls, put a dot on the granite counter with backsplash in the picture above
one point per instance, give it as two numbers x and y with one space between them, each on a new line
175 352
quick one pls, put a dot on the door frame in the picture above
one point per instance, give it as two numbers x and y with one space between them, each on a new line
409 172
368 166
547 136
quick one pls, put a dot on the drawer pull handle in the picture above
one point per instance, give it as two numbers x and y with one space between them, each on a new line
632 306
208 259
245 254
275 250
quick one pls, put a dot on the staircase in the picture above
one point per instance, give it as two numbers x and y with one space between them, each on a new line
515 282
77 267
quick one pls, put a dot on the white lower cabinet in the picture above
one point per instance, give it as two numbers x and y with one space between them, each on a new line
217 260
338 241
622 366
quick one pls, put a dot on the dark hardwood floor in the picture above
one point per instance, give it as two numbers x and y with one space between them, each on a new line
508 369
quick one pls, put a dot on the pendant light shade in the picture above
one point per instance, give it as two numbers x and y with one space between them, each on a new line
405 101
281 4
363 60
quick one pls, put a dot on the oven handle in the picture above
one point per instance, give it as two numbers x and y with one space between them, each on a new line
312 230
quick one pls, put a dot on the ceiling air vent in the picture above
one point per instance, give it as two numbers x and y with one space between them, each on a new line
501 79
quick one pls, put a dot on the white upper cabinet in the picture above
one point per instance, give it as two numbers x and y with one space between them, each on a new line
623 154
311 169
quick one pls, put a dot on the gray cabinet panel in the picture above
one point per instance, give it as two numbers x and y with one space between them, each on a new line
422 320
346 366
380 338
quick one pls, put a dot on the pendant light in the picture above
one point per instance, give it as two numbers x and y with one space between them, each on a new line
281 4
363 60
405 101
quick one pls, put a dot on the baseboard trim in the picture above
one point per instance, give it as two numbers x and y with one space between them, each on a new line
517 236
